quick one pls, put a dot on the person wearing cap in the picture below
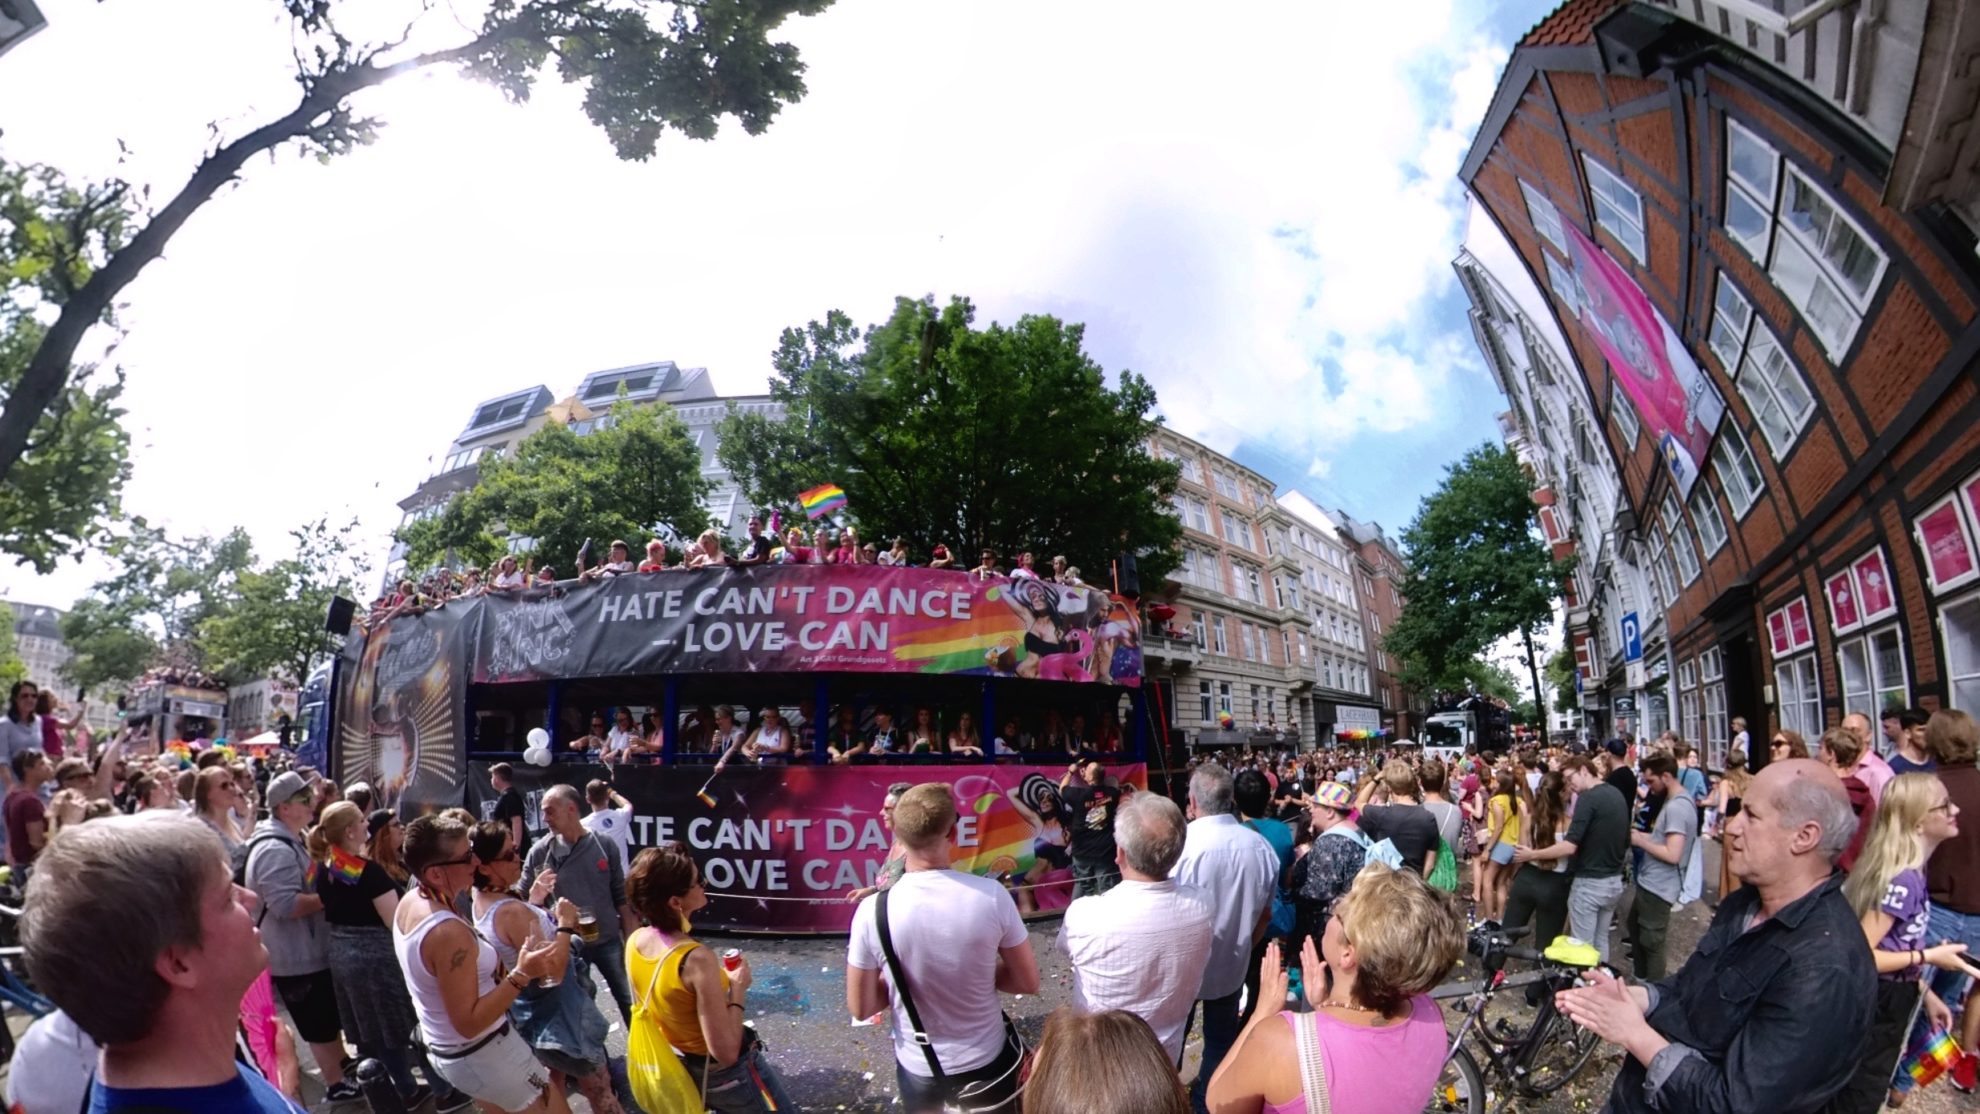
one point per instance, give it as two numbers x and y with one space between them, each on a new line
1142 945
293 927
1324 873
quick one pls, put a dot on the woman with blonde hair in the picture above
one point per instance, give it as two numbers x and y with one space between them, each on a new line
215 795
1726 800
1888 894
1102 1063
1374 1026
359 901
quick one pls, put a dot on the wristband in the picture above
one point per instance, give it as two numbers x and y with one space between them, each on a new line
563 928
511 980
737 1006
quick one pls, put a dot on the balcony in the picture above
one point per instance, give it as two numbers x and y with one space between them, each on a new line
1861 56
1176 654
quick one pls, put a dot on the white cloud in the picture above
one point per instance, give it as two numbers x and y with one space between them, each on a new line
1256 216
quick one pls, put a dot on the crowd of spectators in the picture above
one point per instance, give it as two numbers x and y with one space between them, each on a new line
829 545
852 734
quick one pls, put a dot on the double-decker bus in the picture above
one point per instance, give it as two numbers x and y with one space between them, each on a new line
1039 674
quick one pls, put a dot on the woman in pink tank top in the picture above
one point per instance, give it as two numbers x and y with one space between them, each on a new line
1375 1040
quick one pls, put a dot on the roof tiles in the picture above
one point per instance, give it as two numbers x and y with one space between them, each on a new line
1571 24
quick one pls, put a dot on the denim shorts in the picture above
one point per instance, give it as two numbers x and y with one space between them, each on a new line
1502 853
504 1073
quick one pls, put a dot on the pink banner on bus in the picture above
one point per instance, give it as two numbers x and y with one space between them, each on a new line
782 846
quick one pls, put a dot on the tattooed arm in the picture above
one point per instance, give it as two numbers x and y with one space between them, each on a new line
449 951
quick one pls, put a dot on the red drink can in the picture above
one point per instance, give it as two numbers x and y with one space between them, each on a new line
732 960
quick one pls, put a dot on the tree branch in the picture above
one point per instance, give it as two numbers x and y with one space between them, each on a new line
48 372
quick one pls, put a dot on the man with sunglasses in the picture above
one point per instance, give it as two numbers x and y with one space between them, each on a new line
293 927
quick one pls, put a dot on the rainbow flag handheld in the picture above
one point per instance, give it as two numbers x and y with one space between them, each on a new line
822 500
1932 1053
344 866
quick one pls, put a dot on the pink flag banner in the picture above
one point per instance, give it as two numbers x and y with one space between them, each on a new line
1674 400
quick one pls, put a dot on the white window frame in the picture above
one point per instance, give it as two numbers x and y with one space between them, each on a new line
1546 217
1729 452
1618 207
1794 256
1237 531
1623 413
1798 694
1872 690
1223 639
1967 608
1193 512
1773 388
1200 631
1711 525
1560 278
1207 707
1682 546
1224 696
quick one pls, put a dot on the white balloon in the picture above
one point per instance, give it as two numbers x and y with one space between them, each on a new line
538 738
537 756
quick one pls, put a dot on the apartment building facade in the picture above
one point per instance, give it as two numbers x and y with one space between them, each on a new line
1755 231
1268 627
497 425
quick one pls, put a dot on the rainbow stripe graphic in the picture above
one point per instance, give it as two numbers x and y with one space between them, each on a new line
1931 1057
344 866
822 500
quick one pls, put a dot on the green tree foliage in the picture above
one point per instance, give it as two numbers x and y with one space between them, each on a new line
108 644
12 668
640 473
942 432
273 624
645 67
71 472
152 610
1476 569
1560 674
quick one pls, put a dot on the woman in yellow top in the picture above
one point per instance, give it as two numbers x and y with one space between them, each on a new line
681 986
1502 825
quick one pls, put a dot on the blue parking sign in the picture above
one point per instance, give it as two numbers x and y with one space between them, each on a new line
1632 637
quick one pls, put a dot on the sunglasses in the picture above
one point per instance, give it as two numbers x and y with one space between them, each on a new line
469 861
505 857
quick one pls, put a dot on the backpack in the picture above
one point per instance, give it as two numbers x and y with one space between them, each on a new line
240 863
1444 876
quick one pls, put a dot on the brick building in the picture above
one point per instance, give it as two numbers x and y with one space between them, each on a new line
1755 232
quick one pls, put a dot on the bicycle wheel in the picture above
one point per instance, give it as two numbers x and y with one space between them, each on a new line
1461 1087
1565 1051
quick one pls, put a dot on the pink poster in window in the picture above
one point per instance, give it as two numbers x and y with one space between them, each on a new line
1799 633
1947 552
1777 631
1842 601
1873 585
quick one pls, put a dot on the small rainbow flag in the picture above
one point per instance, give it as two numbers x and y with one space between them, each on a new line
344 866
1931 1055
822 500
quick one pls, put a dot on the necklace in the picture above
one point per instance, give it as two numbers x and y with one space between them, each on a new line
1348 1006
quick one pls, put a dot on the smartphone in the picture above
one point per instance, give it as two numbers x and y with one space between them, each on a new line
82 692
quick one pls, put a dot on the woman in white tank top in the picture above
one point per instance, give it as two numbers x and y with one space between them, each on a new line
459 989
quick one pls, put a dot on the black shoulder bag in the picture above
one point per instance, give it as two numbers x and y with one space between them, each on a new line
919 1033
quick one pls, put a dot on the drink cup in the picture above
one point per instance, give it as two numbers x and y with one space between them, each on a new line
732 961
588 926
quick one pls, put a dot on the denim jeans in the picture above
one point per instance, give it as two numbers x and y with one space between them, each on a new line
609 957
994 1086
1592 910
1092 877
1220 1032
741 1087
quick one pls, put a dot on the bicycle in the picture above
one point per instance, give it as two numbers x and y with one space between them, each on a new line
14 989
1531 1062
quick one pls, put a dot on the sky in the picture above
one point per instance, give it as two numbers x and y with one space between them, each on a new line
1260 220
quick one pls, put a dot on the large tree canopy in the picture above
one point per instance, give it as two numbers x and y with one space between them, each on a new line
152 610
1476 571
273 625
1004 436
639 473
68 251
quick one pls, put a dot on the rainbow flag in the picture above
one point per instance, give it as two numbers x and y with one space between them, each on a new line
822 500
344 866
1931 1055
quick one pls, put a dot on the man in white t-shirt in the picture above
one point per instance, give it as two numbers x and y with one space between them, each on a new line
610 819
960 941
1142 945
